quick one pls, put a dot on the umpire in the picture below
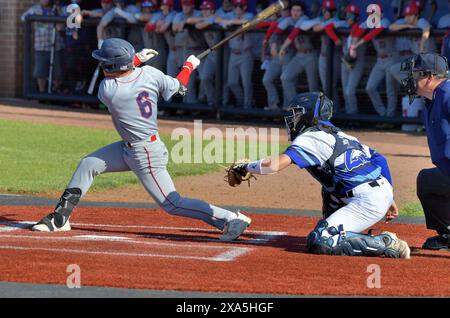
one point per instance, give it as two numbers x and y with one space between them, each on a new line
427 76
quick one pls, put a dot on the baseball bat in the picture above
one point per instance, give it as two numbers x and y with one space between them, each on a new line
93 80
263 15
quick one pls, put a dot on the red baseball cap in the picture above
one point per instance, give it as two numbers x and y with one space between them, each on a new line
167 3
107 1
351 8
239 2
328 5
188 2
411 9
208 5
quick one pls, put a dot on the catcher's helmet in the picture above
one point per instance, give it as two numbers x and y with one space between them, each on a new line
421 65
307 110
115 55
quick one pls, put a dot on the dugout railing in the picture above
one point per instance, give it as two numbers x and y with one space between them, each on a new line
86 65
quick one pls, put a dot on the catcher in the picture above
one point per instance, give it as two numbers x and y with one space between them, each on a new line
356 181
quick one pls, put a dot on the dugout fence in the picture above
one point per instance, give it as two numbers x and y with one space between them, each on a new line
78 68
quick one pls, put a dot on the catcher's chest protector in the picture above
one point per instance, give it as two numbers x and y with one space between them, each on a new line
326 173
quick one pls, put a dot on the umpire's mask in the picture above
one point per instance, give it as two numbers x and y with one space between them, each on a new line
307 110
419 66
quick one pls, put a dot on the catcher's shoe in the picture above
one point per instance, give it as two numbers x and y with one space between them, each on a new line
398 245
437 243
235 228
47 224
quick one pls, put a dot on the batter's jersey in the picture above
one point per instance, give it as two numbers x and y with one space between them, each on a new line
312 150
132 101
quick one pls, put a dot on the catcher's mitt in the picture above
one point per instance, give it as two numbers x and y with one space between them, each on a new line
237 173
349 61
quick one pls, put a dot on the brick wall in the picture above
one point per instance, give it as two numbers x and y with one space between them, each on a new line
11 46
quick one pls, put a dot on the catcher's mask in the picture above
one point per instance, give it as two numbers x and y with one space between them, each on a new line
419 66
307 110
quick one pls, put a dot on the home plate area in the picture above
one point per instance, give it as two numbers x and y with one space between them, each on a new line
137 248
137 239
148 242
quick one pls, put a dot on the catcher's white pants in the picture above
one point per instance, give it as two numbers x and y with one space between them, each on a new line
367 207
148 160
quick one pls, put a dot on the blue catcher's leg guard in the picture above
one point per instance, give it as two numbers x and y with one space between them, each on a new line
321 241
319 244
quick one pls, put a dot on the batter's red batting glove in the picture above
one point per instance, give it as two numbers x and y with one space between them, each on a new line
189 66
143 56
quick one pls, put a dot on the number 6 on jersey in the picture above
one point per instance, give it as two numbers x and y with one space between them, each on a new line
145 106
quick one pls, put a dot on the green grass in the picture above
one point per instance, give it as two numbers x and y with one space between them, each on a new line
411 209
40 158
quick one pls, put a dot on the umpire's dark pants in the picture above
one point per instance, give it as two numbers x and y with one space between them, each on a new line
433 190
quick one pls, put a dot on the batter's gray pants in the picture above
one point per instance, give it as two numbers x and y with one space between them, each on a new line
241 67
350 82
336 74
148 160
289 78
382 70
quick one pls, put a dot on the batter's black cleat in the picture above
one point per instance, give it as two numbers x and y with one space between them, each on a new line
47 224
58 221
438 243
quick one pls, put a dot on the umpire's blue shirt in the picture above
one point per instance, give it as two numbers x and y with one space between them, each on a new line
437 124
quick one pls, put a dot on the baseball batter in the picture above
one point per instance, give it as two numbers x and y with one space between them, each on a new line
356 182
131 95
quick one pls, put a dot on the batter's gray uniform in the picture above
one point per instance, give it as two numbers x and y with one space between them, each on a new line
188 42
336 62
207 70
351 78
304 60
387 55
132 101
241 65
414 45
276 64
